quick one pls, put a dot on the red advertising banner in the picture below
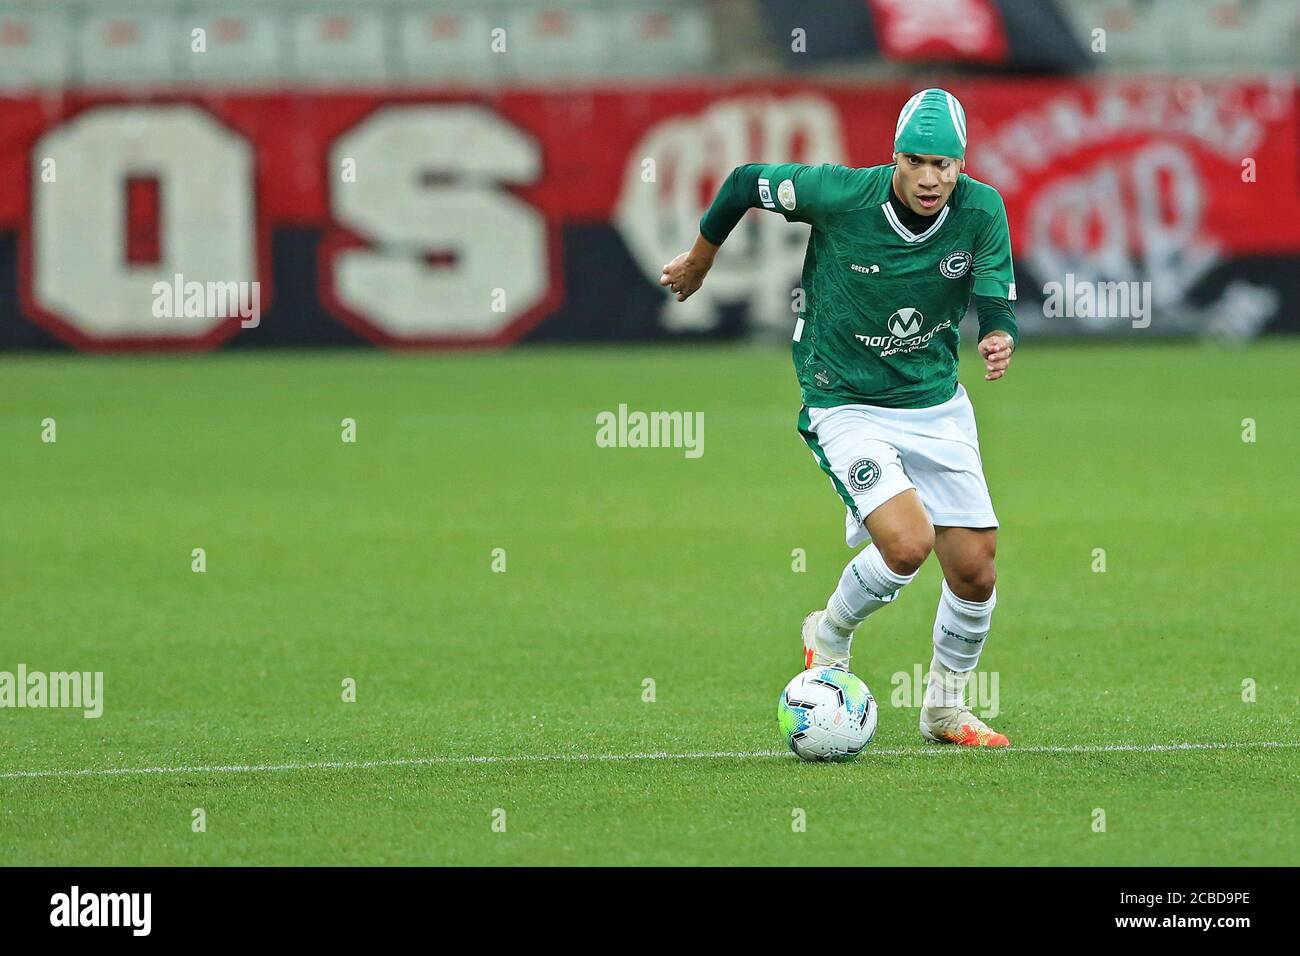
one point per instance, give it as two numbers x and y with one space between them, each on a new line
940 30
467 218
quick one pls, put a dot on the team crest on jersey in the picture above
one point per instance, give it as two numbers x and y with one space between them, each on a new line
906 322
785 194
955 264
863 473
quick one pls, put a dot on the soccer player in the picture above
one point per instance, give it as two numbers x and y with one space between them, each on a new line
895 254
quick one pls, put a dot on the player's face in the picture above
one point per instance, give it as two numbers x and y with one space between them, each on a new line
925 182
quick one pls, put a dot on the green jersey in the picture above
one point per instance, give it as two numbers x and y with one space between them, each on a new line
882 304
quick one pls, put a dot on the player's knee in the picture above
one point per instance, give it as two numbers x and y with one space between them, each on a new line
906 552
975 582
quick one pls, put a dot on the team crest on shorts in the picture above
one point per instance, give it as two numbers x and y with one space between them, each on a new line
863 474
955 264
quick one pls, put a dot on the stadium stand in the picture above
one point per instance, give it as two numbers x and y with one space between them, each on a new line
318 43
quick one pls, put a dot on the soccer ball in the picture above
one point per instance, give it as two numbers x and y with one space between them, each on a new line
827 714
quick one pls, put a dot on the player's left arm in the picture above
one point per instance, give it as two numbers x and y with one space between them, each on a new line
995 290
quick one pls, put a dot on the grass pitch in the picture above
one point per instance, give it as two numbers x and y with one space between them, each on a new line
373 561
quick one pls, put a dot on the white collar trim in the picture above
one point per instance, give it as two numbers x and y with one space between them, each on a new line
907 234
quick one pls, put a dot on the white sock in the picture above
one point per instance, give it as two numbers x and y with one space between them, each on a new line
866 585
945 688
960 629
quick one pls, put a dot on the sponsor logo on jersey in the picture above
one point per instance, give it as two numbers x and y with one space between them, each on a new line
955 264
863 474
765 193
785 194
868 270
906 322
822 377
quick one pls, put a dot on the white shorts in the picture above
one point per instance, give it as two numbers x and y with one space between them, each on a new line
872 454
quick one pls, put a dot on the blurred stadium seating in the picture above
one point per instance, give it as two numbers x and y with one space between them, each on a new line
279 42
1172 35
77 42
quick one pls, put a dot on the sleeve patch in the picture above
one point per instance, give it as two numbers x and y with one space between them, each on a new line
765 193
785 193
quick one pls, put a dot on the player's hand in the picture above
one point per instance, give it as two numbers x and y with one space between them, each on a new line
685 274
995 349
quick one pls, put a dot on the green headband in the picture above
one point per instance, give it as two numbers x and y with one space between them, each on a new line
932 123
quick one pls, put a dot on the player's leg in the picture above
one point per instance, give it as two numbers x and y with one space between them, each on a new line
901 539
853 445
967 558
941 447
901 532
961 626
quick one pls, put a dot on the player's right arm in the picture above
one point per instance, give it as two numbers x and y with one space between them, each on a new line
800 193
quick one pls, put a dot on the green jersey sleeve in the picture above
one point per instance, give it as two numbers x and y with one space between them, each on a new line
996 315
992 269
799 192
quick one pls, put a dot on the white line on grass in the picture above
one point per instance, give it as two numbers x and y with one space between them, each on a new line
612 758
